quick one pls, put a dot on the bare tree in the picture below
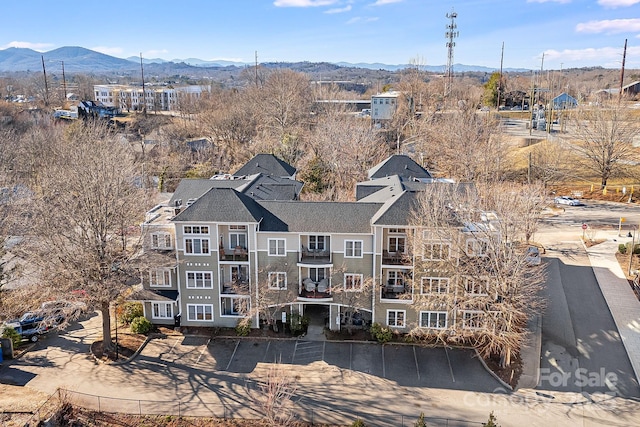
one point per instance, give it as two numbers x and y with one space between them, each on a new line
274 394
467 266
604 140
87 198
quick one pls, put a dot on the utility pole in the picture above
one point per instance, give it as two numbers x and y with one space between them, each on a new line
450 34
46 85
64 83
500 82
144 94
624 56
256 68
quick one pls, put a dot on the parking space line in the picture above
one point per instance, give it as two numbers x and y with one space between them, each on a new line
203 349
350 356
174 345
450 367
415 357
233 355
295 347
264 358
324 344
384 375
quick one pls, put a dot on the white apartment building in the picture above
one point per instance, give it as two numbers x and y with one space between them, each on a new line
132 98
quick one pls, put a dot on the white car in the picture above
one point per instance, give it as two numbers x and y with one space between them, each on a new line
566 200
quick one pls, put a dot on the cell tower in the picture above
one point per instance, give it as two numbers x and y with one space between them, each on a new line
450 34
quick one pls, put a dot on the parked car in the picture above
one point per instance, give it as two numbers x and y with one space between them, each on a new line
29 327
533 256
566 200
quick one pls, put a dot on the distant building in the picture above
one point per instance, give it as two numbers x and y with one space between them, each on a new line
564 101
384 105
132 98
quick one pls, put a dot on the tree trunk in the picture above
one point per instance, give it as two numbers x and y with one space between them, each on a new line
106 326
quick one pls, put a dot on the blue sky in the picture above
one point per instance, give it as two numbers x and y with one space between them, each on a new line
571 33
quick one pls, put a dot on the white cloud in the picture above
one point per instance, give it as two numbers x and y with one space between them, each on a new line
361 19
546 1
28 45
610 26
383 2
617 3
347 8
610 55
113 51
303 3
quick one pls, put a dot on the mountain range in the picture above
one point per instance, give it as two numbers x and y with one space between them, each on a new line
81 60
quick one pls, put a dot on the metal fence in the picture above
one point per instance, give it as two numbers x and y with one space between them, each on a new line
236 410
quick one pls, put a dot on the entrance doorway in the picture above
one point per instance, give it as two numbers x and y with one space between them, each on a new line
317 314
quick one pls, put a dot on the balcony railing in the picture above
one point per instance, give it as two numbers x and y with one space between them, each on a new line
312 289
235 254
237 287
393 290
314 256
395 258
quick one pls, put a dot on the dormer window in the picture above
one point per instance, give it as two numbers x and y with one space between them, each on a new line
161 240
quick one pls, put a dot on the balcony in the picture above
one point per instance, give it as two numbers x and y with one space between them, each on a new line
315 290
235 287
394 290
236 254
395 258
315 250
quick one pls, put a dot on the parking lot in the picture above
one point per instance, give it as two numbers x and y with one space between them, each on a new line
406 365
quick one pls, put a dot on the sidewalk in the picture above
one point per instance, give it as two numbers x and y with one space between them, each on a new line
623 303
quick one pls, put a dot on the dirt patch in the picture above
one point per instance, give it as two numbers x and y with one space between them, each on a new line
510 374
127 345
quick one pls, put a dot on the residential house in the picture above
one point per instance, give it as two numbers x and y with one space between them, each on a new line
564 101
234 250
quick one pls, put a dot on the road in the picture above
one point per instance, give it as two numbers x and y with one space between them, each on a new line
581 349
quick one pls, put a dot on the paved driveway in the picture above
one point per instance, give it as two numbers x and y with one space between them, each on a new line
406 365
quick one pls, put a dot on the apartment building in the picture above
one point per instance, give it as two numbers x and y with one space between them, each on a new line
243 245
133 98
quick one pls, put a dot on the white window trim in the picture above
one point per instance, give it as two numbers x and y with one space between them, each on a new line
277 274
284 248
232 299
168 308
404 318
474 247
353 248
437 314
195 273
162 271
199 232
434 243
198 253
203 306
161 237
354 275
396 238
481 317
433 280
481 283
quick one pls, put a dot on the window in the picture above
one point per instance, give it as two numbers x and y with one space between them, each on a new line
196 246
434 251
434 285
196 229
276 247
316 243
199 280
396 244
396 318
200 312
277 280
160 277
237 239
237 227
476 286
239 273
162 310
477 247
316 274
352 282
395 278
473 319
161 240
433 319
353 248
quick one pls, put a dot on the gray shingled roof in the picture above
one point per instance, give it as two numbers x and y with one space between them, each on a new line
222 205
320 217
401 165
267 164
396 210
273 188
194 188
